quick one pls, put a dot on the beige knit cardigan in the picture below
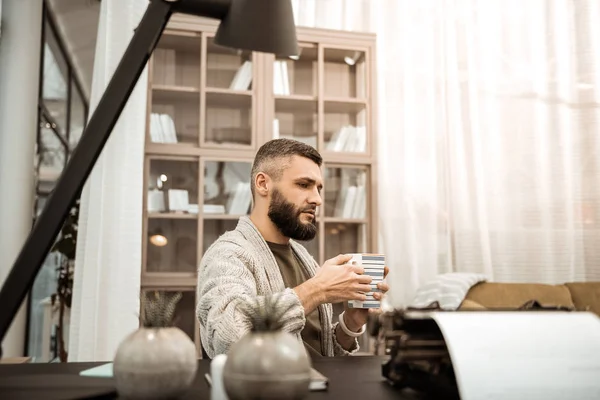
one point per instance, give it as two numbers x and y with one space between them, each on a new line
240 266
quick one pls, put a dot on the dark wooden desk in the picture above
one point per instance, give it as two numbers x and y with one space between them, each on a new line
349 378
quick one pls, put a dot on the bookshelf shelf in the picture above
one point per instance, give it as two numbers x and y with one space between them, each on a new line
234 217
209 110
295 103
228 99
175 89
170 281
226 91
334 220
344 105
173 95
171 149
171 216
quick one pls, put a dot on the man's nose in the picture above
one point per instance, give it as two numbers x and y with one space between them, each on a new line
315 198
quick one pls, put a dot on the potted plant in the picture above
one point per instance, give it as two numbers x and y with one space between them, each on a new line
65 245
266 363
157 361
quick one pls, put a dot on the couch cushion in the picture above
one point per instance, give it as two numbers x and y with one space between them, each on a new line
585 295
514 295
470 305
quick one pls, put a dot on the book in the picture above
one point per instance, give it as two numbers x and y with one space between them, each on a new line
318 381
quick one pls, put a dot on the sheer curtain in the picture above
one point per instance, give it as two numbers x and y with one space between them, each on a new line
107 272
489 114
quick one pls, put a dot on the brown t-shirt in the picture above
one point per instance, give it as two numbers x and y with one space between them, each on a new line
293 275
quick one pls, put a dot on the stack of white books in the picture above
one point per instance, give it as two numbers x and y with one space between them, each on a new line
162 128
349 138
243 77
213 209
178 200
281 80
240 200
351 202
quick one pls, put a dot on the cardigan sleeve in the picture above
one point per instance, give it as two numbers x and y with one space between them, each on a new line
225 281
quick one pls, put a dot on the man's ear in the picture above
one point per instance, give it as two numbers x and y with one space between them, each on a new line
262 183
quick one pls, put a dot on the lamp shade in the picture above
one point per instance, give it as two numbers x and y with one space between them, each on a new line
259 25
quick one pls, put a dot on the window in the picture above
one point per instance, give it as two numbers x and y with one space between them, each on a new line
62 117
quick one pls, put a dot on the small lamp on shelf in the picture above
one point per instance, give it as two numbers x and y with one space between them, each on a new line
158 239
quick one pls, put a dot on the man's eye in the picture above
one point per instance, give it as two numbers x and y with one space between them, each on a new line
303 185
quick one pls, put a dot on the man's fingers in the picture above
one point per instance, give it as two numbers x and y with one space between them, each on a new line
341 259
386 270
364 278
359 296
357 269
378 295
384 287
364 288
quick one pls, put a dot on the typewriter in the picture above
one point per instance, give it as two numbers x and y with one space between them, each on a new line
419 358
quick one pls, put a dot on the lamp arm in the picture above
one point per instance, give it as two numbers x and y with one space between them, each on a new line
216 9
107 112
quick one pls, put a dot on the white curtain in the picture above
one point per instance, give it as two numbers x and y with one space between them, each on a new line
489 117
107 271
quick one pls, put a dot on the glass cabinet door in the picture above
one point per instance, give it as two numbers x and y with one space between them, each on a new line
345 73
345 105
227 188
343 238
172 245
228 96
172 207
228 68
345 127
213 227
296 76
227 196
295 91
345 205
175 88
346 192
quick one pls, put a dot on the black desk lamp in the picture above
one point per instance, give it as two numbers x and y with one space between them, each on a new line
259 25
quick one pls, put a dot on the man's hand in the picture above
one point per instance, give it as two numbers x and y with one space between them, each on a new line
355 318
334 282
342 282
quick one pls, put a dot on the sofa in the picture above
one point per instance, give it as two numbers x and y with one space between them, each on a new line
578 296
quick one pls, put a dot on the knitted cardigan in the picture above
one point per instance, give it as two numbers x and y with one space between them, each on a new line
240 266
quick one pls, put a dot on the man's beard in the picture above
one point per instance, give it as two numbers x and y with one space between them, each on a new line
286 218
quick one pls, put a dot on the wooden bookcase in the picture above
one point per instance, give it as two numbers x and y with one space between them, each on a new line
209 110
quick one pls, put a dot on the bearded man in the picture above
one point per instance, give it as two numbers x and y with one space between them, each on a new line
262 257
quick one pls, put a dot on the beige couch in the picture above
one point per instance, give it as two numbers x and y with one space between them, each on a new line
577 296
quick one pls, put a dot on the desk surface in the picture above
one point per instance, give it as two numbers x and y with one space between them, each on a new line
349 378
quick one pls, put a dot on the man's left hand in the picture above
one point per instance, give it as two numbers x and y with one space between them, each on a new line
355 318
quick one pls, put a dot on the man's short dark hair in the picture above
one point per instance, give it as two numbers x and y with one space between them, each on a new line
274 156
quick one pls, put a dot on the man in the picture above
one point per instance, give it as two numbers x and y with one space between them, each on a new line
261 257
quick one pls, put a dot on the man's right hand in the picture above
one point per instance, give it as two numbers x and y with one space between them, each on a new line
339 281
336 281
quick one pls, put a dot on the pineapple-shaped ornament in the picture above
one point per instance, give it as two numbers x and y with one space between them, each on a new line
157 361
267 362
